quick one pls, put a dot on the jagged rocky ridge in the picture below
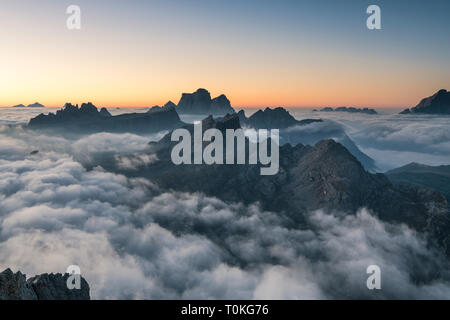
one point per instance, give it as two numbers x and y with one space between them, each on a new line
279 118
323 176
439 103
87 119
348 109
15 286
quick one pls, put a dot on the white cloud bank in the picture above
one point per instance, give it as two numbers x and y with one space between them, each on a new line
134 241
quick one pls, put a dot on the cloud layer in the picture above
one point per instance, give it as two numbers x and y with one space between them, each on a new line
392 140
135 241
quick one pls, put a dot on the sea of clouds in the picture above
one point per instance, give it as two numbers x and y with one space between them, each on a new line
132 240
392 140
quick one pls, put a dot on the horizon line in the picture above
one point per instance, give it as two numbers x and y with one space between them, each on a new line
235 107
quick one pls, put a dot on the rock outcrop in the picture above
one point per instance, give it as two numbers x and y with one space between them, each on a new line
200 102
15 286
439 103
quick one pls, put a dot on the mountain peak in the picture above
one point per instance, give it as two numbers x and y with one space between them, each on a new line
439 103
277 118
200 102
35 105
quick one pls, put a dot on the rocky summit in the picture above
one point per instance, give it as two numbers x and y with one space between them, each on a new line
200 102
15 286
439 103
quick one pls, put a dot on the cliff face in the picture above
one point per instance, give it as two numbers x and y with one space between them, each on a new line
14 286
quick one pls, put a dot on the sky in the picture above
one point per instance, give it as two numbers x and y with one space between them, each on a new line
310 53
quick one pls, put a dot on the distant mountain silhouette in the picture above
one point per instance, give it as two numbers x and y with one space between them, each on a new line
278 118
168 105
87 119
33 105
415 174
200 102
348 109
439 103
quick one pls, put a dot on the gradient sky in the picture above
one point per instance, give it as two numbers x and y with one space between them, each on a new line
259 53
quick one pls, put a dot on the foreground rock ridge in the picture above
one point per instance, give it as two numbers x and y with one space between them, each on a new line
439 103
15 286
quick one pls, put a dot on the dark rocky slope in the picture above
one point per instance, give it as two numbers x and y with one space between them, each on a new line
420 175
14 286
